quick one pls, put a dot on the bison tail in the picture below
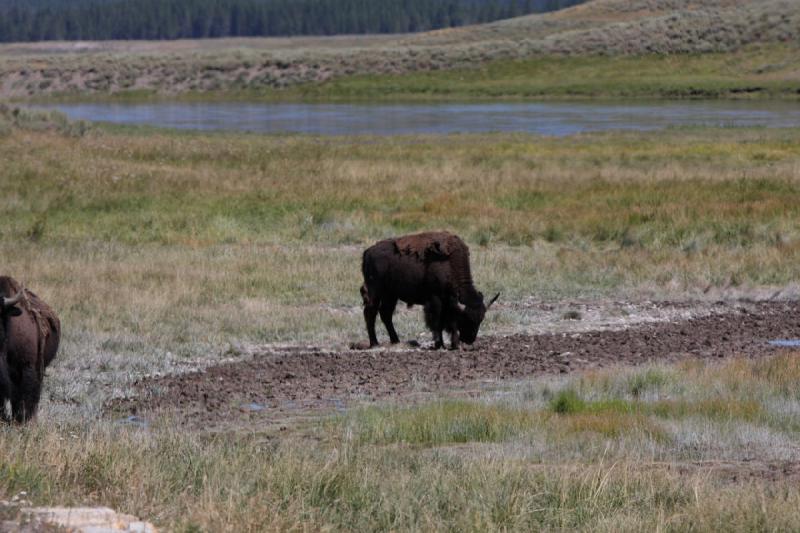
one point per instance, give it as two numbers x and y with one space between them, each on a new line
364 263
365 295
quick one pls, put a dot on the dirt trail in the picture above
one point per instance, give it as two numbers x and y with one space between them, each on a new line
292 380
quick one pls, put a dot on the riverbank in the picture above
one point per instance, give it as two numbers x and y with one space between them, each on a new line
757 72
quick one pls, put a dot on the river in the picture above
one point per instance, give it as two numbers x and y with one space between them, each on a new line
547 118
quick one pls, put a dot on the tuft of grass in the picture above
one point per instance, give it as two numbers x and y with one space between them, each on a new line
652 379
712 408
12 117
443 423
567 401
781 372
611 424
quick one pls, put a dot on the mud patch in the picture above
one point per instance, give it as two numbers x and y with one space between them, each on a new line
290 381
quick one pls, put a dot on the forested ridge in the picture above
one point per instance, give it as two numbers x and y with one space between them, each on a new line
38 20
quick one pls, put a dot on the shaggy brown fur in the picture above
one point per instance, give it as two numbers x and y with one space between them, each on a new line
431 269
426 245
46 320
30 333
442 245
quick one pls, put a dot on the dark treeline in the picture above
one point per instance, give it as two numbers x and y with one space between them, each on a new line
38 20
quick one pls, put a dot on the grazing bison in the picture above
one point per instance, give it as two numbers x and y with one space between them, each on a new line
29 337
429 269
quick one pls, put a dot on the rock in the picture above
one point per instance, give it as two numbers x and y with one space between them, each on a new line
81 520
361 345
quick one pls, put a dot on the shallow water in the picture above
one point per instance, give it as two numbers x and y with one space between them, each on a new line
548 118
787 343
252 407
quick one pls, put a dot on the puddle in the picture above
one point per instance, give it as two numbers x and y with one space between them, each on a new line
786 343
252 407
134 421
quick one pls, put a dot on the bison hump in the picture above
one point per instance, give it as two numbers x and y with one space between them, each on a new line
429 246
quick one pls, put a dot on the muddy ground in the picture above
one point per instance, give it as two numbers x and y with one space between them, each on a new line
277 384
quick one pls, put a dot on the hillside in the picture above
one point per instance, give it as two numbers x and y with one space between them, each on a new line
597 29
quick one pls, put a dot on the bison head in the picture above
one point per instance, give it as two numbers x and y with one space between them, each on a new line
8 305
8 308
470 318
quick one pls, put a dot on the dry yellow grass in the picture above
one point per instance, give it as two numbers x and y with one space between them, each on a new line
159 249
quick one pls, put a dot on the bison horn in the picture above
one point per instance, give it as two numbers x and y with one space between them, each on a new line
496 296
14 300
461 307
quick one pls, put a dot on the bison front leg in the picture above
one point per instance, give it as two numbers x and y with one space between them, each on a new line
438 340
449 317
454 338
433 318
25 397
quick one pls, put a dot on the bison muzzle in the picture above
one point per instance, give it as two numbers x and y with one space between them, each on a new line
430 269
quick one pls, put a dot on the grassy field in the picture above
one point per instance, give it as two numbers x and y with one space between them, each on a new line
161 251
760 71
161 248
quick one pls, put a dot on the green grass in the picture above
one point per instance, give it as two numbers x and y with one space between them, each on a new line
568 402
671 189
766 71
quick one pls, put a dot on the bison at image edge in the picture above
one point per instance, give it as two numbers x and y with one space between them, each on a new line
29 336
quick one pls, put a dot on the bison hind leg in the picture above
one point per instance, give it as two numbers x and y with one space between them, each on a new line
387 310
25 398
6 393
371 302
